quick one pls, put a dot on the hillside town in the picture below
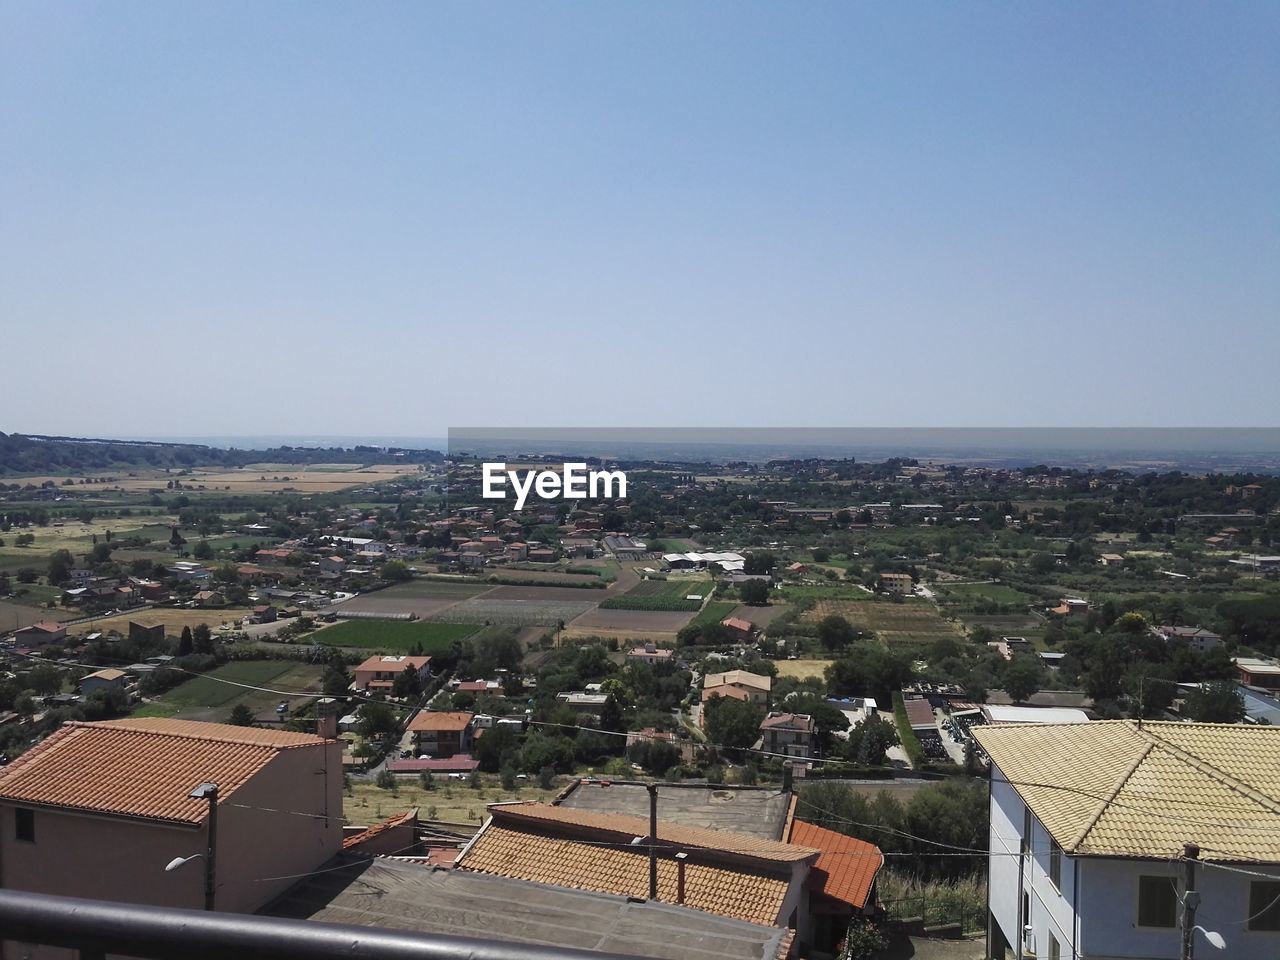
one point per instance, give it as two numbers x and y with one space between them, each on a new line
804 726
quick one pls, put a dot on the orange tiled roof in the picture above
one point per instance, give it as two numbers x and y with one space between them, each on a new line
356 839
725 891
626 827
846 868
142 767
440 720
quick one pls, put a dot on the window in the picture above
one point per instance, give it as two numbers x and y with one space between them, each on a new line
1055 950
1264 905
1026 830
1157 902
1055 863
24 824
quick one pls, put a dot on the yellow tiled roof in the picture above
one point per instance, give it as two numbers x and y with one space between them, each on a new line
142 767
582 865
1114 789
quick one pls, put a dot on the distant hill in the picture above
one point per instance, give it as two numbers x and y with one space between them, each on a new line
35 454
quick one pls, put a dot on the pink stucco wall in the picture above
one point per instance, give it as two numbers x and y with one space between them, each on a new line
285 820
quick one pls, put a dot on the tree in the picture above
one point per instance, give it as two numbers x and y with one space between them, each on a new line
1216 702
202 639
185 643
611 717
755 593
656 756
732 723
868 670
397 571
202 550
1022 677
870 741
408 683
498 747
835 632
60 564
507 776
100 553
546 777
758 562
337 679
385 779
45 681
377 721
240 716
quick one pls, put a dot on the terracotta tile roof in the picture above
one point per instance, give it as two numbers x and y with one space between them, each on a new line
445 721
1109 788
107 674
561 862
737 623
724 690
846 868
621 826
356 839
142 767
740 678
788 721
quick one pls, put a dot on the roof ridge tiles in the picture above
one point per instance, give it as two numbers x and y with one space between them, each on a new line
1105 803
1209 770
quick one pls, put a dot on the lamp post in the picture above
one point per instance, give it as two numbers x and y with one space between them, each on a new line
206 791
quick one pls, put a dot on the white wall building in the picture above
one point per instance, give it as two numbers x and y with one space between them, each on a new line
1088 823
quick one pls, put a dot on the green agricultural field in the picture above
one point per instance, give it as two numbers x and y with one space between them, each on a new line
993 592
714 612
832 591
661 595
395 636
211 697
209 690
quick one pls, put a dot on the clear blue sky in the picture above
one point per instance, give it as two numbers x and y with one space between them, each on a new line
247 218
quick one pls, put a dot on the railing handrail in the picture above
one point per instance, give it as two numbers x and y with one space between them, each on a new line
97 927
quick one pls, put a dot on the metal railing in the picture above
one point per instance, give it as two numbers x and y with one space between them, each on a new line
96 928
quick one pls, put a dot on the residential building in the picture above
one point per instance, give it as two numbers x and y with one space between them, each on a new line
583 701
40 634
740 630
1088 824
753 685
650 654
441 733
841 883
1256 672
379 673
146 632
897 583
730 875
1071 607
264 613
1197 638
102 679
97 810
333 564
789 734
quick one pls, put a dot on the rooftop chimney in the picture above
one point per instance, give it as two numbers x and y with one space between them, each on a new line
327 721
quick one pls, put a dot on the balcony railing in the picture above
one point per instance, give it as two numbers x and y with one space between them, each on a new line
96 928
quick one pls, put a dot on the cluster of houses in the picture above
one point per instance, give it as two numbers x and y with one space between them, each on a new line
1092 828
751 880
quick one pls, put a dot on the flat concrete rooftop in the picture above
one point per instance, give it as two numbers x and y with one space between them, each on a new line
754 811
413 898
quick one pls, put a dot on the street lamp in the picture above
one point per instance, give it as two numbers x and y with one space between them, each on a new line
1213 936
206 791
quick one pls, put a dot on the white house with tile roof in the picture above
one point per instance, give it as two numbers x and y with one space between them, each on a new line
1087 834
